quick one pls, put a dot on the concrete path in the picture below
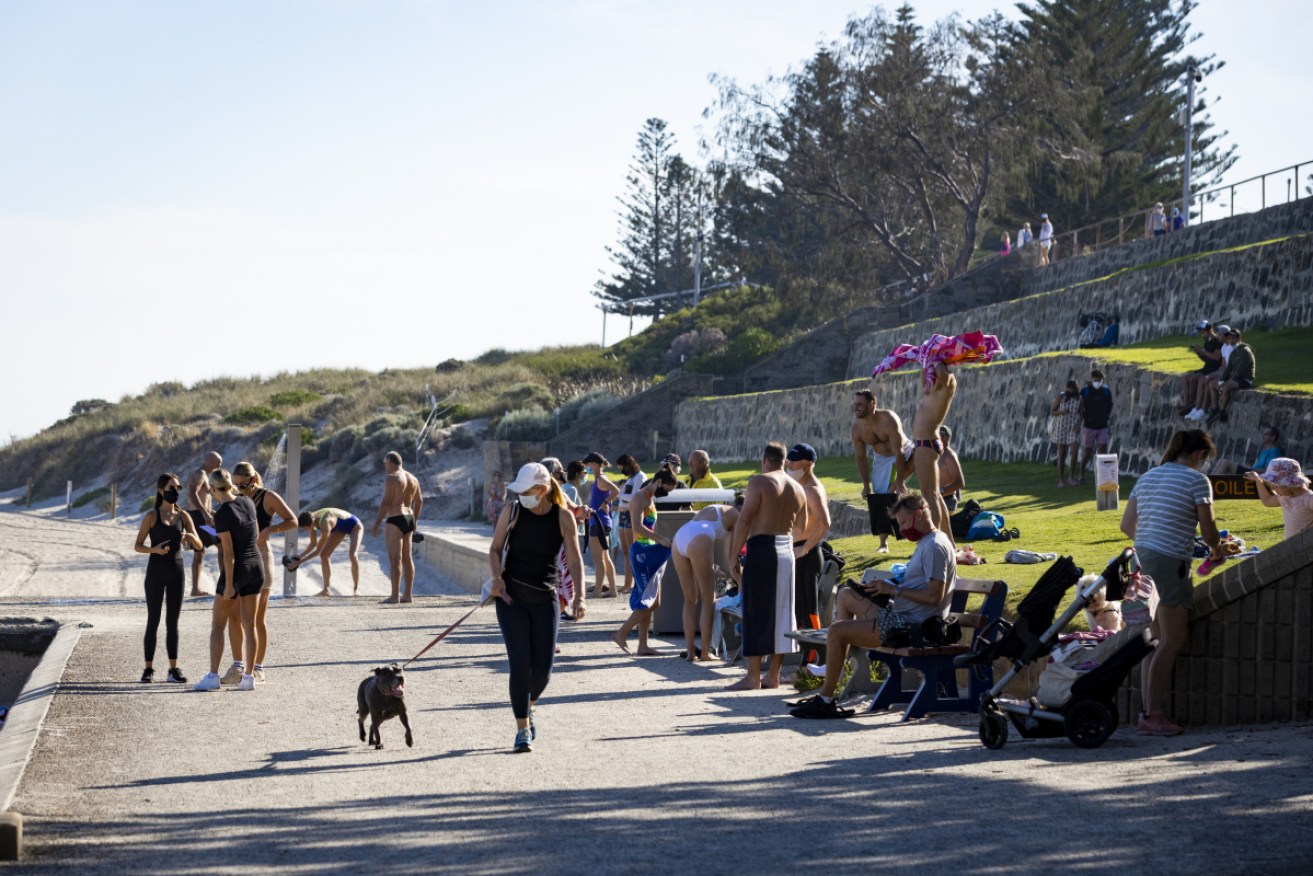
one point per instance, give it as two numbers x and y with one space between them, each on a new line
643 765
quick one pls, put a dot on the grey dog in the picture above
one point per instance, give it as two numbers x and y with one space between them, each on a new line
381 697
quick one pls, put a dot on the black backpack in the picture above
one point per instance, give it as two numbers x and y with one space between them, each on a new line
960 522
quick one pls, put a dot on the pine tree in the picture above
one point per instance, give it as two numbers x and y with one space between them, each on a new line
1124 64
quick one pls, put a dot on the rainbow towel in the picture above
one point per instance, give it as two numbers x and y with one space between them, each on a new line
969 347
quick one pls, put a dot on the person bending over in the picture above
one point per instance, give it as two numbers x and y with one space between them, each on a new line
328 527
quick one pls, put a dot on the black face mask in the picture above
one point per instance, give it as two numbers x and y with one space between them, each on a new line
170 496
662 492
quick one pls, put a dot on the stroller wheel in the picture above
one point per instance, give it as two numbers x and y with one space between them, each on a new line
1088 723
993 729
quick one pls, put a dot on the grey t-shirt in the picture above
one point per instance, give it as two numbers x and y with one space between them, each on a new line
934 559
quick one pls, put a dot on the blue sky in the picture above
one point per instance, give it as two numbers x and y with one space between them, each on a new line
195 189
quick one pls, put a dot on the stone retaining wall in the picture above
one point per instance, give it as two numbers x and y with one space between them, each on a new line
1267 286
1001 413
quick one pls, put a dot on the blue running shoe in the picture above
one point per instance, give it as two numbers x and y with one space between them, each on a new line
533 728
523 741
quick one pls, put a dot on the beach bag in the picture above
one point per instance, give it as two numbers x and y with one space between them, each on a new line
1140 601
985 526
960 522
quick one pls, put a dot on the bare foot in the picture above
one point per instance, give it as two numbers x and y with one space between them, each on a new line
406 599
790 678
746 683
626 589
769 682
646 651
619 639
323 592
882 549
707 658
199 593
391 600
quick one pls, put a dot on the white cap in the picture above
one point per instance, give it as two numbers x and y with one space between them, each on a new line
532 474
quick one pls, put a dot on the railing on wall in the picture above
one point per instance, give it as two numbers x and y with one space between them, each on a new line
1246 196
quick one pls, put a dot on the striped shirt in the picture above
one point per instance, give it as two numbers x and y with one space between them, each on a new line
1166 499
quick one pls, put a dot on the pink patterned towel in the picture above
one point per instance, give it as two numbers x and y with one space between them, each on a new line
969 347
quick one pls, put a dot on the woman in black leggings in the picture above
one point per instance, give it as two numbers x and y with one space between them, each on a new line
530 534
167 526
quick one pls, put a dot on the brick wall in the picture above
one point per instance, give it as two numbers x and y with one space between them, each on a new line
1250 655
1001 413
1260 287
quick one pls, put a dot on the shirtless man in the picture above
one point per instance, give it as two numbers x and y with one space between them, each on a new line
198 507
772 505
401 505
879 433
930 414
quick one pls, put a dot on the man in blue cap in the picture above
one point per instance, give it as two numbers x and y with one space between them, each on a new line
807 537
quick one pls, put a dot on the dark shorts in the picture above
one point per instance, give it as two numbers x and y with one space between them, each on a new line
806 579
249 577
346 524
1091 438
1243 383
599 532
882 522
624 522
198 520
1171 576
404 522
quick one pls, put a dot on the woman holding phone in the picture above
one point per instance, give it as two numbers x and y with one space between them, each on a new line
168 527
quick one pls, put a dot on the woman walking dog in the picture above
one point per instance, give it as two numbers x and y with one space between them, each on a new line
529 535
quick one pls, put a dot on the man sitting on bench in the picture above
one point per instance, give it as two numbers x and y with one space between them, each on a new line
926 590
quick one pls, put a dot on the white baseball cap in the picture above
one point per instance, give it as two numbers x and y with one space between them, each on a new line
532 474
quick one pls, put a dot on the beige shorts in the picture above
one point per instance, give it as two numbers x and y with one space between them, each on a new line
267 564
1171 575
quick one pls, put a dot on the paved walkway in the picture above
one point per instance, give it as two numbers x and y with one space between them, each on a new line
644 765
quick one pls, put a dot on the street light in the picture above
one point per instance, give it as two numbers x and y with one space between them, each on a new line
1192 75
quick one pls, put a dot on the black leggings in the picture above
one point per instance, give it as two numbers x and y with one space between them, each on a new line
155 598
529 629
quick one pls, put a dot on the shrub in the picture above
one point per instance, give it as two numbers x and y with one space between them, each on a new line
694 343
88 406
449 365
526 424
252 416
343 446
292 398
463 439
738 354
90 496
527 395
496 356
166 389
147 504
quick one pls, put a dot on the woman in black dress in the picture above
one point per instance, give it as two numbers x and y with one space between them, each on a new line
167 526
241 577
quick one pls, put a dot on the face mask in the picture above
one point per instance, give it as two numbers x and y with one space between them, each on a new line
170 496
1097 384
530 502
661 492
913 534
795 473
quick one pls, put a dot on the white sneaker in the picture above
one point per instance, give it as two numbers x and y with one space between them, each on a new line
247 683
209 682
817 670
233 675
259 675
1196 414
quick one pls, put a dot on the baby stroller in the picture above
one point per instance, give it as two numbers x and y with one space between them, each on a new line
1089 715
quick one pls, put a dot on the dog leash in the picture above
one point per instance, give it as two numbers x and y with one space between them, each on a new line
442 635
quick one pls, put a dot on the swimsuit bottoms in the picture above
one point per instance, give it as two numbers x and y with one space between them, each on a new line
346 524
930 444
767 589
693 529
198 520
404 522
249 578
648 560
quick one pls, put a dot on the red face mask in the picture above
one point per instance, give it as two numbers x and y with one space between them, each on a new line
913 534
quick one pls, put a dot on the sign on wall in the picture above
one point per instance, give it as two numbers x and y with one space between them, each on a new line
1233 487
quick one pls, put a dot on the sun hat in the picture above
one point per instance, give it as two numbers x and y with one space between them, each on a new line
1204 325
801 453
1283 472
532 474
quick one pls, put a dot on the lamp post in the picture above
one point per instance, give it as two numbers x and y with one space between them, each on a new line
1192 75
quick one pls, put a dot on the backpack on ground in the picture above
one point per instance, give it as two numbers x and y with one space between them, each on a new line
987 525
960 522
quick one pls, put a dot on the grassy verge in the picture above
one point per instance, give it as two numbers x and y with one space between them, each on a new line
1061 521
1282 357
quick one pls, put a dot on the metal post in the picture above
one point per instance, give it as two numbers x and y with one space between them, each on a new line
602 307
68 499
29 492
472 517
293 499
697 254
113 501
1191 76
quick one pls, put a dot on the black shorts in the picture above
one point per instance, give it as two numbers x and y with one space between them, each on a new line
882 522
404 522
599 532
1243 383
250 580
624 522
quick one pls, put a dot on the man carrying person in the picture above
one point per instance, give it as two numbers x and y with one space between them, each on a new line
401 504
773 505
879 433
808 533
1194 390
926 590
1240 372
936 399
1096 414
198 507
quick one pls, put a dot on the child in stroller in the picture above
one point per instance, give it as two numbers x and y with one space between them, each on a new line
1079 696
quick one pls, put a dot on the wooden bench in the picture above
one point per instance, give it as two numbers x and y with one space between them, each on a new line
939 691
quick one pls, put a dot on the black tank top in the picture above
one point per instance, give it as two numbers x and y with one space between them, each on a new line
262 517
162 533
535 543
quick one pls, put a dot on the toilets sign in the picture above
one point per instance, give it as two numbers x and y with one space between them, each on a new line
1233 487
